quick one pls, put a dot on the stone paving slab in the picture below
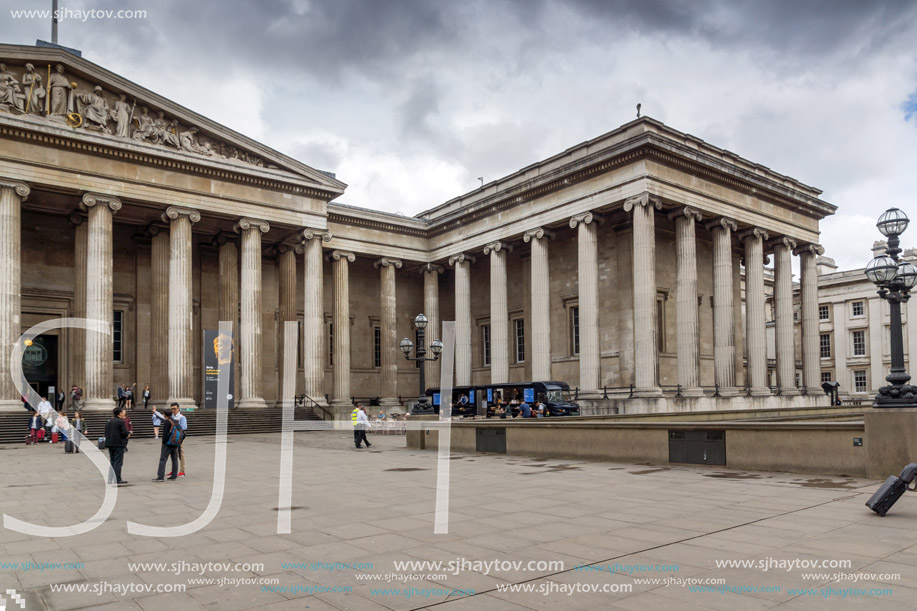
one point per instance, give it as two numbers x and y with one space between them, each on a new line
651 537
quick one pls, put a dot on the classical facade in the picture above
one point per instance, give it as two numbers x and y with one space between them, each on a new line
630 266
854 338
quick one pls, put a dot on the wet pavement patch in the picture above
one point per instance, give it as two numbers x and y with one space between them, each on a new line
647 471
733 475
407 469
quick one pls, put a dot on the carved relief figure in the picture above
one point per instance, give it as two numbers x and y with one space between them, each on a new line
170 135
11 94
188 140
34 91
146 129
61 93
94 109
161 126
121 114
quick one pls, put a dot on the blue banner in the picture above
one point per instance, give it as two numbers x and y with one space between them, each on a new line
471 397
436 398
528 395
490 395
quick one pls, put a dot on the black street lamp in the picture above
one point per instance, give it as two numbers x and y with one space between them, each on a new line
436 347
895 280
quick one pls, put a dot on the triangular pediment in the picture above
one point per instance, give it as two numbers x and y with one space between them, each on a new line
50 86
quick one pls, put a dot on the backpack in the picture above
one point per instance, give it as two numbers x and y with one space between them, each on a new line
176 436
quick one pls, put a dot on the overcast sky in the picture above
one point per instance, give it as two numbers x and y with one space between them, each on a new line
409 102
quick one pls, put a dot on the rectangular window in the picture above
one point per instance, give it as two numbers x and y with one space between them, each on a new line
117 336
858 308
519 334
377 346
825 376
859 343
331 344
825 345
574 330
824 312
859 380
660 323
485 344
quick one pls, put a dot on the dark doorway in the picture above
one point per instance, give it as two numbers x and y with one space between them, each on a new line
39 363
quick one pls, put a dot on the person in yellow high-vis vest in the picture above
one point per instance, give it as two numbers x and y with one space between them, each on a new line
353 420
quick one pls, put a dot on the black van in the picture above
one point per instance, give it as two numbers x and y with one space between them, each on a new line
468 408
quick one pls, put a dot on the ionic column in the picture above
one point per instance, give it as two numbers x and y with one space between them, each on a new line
77 342
99 299
499 313
181 306
159 314
228 253
724 342
686 301
12 194
314 314
755 334
252 394
340 398
644 269
783 304
808 293
389 324
540 286
587 278
286 263
431 274
462 263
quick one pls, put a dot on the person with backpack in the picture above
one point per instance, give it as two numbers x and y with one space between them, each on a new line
172 437
182 422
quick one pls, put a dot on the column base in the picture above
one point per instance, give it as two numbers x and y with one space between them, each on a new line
342 409
12 405
692 393
253 403
391 405
99 404
728 391
790 392
760 392
651 392
590 394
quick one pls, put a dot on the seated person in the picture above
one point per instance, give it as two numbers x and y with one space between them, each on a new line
381 415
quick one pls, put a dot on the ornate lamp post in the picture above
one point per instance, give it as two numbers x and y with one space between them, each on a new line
435 347
895 280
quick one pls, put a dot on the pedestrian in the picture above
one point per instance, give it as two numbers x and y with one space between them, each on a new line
77 428
62 424
359 431
169 450
35 425
180 419
45 409
59 398
157 422
122 395
115 438
130 428
129 396
76 396
525 410
146 396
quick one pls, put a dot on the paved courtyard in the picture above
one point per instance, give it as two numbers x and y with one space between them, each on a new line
564 534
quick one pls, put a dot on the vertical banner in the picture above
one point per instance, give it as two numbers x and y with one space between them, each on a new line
219 355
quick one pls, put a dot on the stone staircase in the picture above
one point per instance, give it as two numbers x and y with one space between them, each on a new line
14 425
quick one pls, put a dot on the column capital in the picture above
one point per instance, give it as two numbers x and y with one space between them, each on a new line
497 247
21 189
224 238
244 224
430 268
337 255
721 223
175 212
585 218
320 234
753 232
387 261
812 249
688 212
784 241
461 258
92 199
536 234
76 218
282 248
644 199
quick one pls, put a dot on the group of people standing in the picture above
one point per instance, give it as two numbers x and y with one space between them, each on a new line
126 396
44 426
174 428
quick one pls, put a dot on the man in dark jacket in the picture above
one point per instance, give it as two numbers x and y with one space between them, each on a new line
115 440
168 451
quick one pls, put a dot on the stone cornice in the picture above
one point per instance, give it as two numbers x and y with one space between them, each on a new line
374 223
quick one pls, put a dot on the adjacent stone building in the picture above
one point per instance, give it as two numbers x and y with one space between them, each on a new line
630 266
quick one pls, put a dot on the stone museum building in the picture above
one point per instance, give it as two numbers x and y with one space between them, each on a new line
630 266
